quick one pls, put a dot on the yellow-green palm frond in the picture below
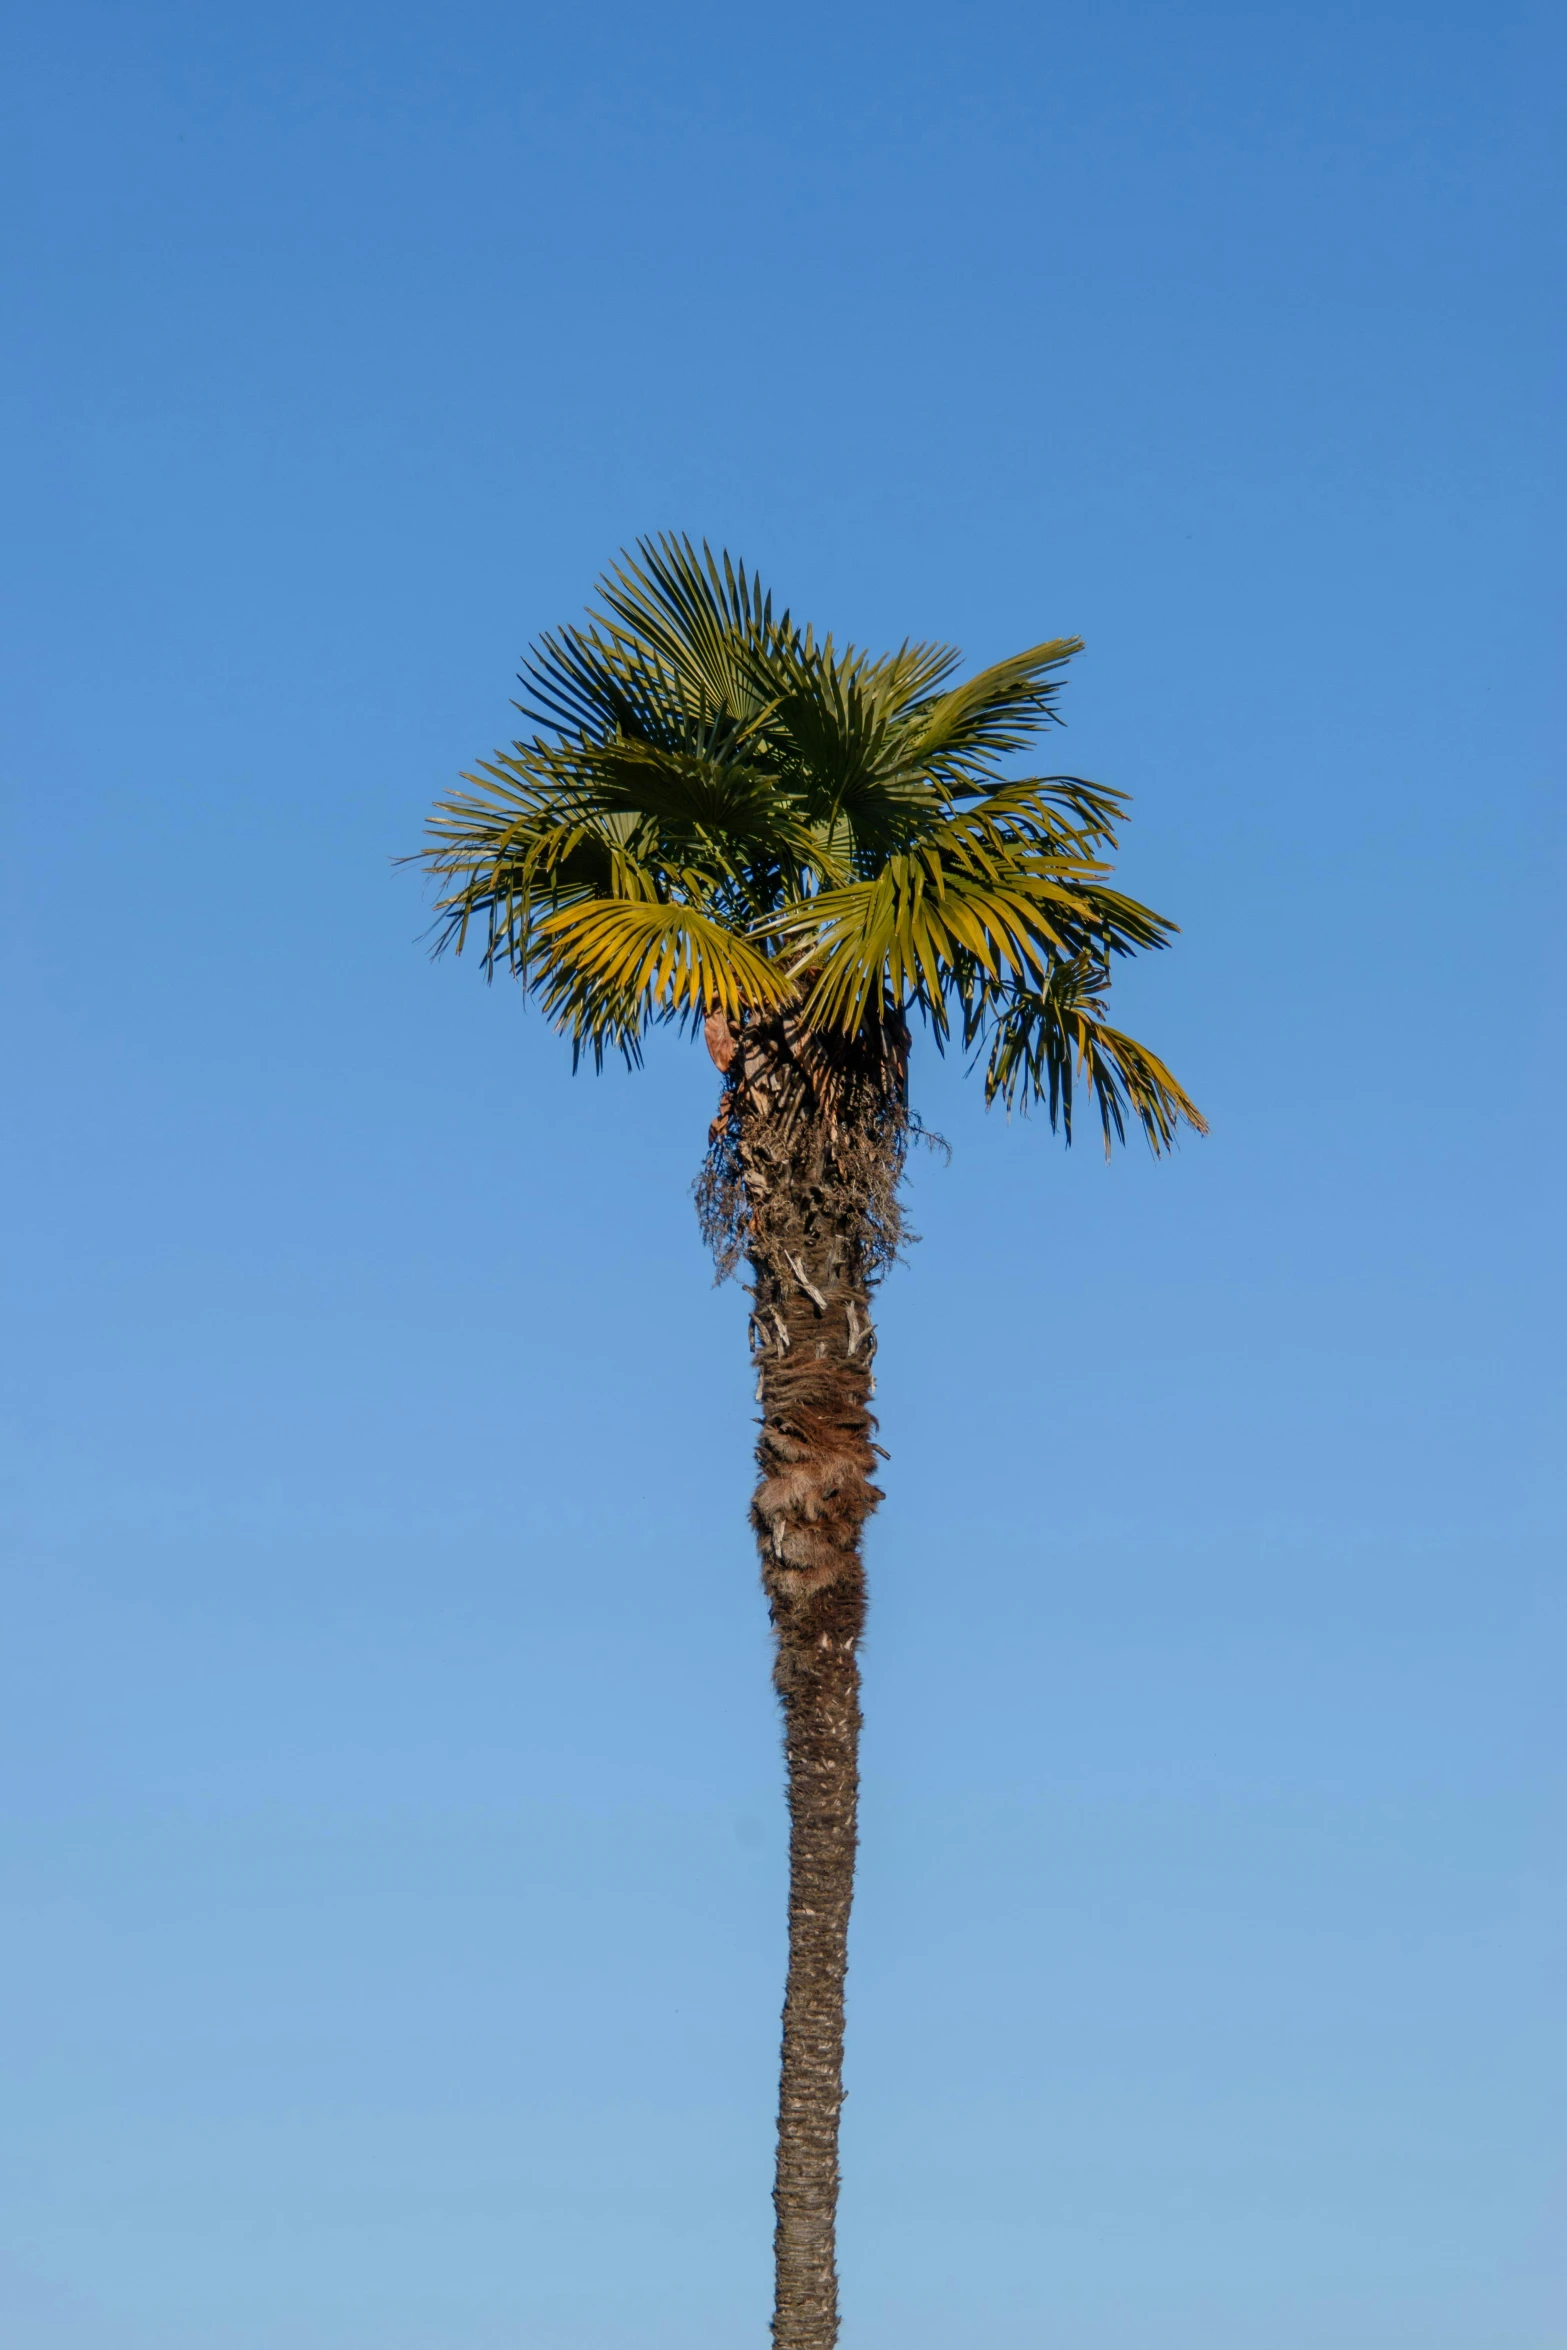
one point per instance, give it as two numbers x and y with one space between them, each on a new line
610 968
990 894
517 848
907 936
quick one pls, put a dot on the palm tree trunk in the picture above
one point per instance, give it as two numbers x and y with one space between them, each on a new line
819 1684
813 1342
804 1163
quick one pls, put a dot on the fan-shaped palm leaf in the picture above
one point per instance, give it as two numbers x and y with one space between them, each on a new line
608 967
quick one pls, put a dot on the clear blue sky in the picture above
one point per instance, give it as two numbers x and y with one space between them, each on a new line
392 1839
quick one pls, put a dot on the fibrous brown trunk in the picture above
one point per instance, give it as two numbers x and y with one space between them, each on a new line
814 1494
815 1146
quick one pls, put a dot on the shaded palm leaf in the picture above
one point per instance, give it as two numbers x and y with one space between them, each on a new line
1047 1041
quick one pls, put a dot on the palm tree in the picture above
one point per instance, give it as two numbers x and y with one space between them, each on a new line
721 821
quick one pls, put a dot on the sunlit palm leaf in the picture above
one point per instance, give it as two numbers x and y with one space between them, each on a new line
609 967
903 936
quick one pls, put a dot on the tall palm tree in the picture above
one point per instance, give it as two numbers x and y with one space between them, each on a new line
722 821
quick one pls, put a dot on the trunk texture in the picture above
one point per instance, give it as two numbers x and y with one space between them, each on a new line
815 1493
816 1150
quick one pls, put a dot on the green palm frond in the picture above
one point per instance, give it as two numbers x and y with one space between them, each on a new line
1045 1042
682 639
724 810
837 730
962 733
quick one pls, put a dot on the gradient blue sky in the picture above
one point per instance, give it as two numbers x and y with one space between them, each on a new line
392 1843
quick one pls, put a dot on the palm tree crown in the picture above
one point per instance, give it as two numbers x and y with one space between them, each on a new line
720 816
